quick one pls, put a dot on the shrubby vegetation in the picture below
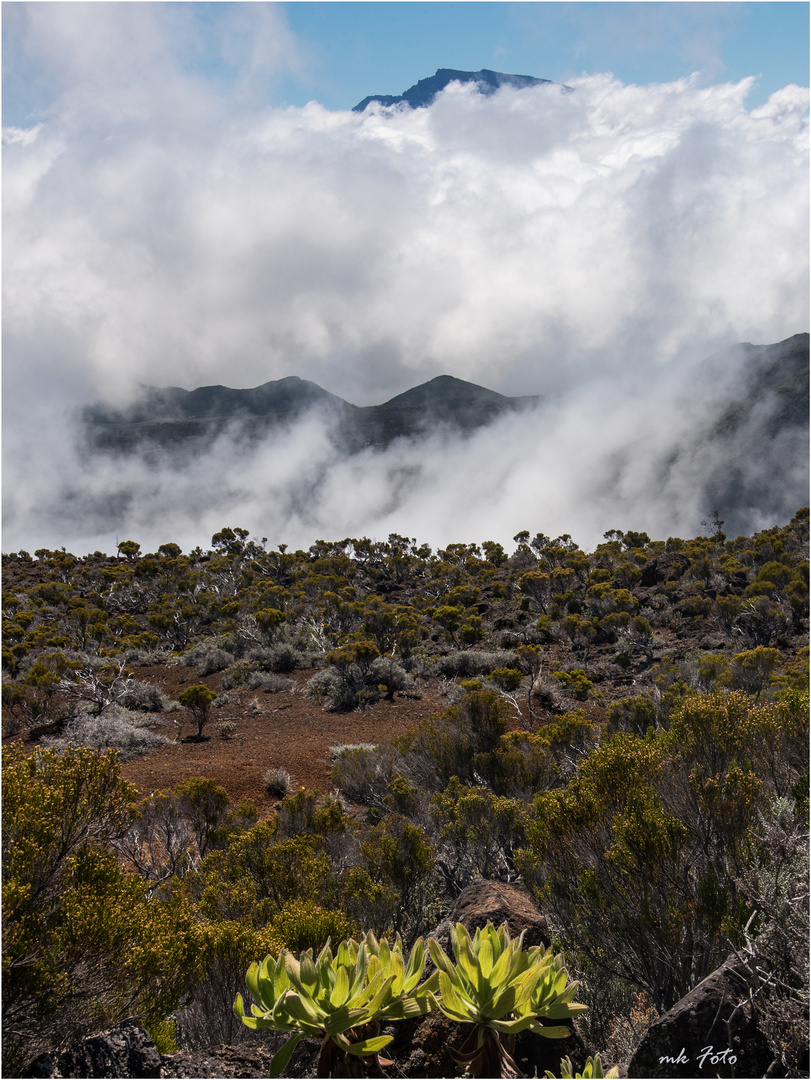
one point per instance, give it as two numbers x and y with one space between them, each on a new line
626 732
83 944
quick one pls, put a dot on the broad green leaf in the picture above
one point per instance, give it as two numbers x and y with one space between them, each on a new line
514 994
467 964
292 968
500 968
361 964
281 1017
562 1012
396 968
459 1015
308 973
406 1008
519 962
416 963
524 986
282 1057
430 986
383 995
340 992
569 992
453 998
550 1032
281 980
370 1046
326 980
512 1027
504 1002
366 993
486 957
459 938
252 982
442 960
257 1023
344 1019
306 1012
559 982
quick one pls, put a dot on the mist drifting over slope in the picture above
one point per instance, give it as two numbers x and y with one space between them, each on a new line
592 247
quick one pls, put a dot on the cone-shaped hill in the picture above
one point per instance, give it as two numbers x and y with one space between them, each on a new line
442 402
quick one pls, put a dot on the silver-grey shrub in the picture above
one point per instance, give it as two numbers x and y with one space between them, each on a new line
282 658
113 728
143 696
146 657
208 658
225 699
387 672
474 662
250 675
270 683
329 689
343 748
362 773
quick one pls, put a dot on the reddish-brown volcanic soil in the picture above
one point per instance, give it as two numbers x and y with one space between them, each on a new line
283 729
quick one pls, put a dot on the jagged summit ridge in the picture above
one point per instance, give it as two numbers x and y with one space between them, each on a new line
173 417
424 92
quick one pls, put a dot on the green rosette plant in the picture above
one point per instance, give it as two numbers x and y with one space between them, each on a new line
502 989
335 997
551 996
592 1070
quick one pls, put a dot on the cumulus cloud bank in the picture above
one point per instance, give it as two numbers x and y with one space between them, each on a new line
592 247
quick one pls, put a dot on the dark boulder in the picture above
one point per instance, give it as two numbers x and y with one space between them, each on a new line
662 568
125 1051
713 1031
496 902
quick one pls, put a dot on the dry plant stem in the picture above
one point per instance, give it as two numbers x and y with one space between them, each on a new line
485 1054
336 1062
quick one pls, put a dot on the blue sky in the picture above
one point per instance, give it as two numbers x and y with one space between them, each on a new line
338 52
354 49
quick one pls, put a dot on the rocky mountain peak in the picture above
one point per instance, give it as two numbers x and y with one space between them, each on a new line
424 92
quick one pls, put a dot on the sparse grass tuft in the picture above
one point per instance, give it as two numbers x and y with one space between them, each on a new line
278 782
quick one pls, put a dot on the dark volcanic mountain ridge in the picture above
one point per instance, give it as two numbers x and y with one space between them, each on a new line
173 418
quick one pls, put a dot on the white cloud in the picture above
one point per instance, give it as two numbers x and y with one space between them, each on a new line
161 228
